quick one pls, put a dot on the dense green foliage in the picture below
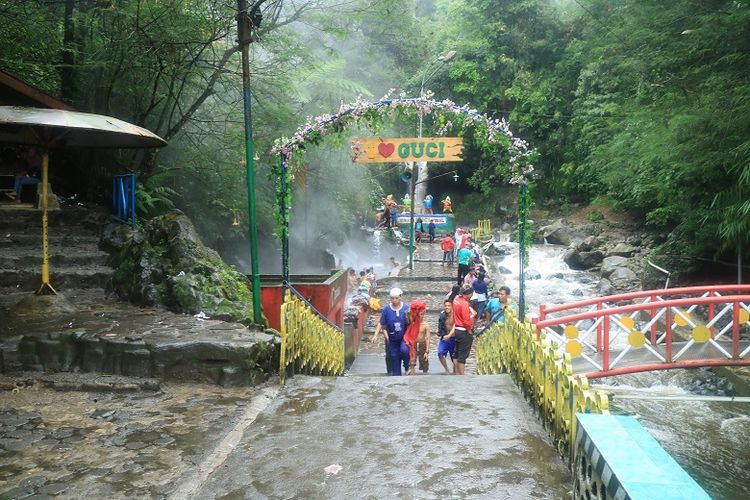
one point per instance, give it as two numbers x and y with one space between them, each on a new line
643 102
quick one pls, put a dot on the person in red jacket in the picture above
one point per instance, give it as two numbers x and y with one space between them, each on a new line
417 337
463 318
447 245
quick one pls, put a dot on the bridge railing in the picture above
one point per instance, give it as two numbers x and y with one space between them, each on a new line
702 327
544 375
483 229
310 344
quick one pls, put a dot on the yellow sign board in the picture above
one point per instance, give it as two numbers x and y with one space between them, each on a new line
379 150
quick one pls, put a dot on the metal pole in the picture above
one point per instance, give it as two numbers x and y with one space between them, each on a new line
244 37
285 223
45 288
739 263
132 201
522 253
415 173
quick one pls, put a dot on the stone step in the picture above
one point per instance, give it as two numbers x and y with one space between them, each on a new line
78 256
59 238
15 220
60 277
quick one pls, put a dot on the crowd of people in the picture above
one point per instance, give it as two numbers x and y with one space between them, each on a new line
468 309
464 316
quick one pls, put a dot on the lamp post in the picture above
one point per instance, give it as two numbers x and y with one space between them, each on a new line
246 22
422 165
411 210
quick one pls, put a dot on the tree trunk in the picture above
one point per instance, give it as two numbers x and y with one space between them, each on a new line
67 72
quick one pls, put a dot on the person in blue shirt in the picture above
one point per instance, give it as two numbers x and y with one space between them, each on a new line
393 322
464 262
427 204
498 305
447 344
431 231
479 299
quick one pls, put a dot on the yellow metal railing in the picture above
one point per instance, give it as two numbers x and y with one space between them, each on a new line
483 229
545 377
309 344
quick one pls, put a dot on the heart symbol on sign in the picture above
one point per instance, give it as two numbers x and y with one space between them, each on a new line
386 149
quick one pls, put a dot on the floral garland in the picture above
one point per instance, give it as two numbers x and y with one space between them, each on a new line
494 131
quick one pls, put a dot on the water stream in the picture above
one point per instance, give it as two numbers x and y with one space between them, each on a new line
709 439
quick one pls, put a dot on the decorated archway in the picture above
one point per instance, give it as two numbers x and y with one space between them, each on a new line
492 135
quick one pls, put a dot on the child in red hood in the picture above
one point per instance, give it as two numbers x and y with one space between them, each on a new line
417 337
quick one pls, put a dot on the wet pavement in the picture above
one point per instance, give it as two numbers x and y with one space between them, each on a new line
364 435
406 437
111 445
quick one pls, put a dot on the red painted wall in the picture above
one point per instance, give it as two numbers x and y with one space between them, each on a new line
327 296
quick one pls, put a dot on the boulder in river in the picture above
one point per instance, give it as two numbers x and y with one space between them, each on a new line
623 250
581 261
532 274
610 264
504 270
556 233
624 279
588 244
494 248
166 263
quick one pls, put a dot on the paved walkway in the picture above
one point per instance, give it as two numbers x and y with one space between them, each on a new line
403 437
364 435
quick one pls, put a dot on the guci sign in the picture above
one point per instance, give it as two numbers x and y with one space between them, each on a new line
377 150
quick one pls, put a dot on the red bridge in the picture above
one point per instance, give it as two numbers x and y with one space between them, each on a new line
652 330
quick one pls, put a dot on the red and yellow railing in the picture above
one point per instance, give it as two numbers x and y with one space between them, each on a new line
310 344
662 329
543 374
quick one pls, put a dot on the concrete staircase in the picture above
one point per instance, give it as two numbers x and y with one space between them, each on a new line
76 261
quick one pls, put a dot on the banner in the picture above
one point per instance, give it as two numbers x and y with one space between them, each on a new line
431 149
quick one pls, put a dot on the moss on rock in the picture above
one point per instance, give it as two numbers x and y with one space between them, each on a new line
166 263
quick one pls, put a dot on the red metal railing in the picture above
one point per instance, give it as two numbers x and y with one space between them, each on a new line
660 345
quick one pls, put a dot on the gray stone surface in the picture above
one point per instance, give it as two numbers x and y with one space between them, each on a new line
109 444
623 249
556 233
582 260
110 336
405 437
610 264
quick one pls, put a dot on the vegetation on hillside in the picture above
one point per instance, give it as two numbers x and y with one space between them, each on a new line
643 102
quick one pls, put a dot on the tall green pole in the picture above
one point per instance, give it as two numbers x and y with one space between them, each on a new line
245 38
522 228
411 219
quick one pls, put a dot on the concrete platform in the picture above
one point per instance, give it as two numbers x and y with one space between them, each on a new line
404 437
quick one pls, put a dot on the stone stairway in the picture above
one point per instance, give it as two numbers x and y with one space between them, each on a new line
75 258
428 281
85 329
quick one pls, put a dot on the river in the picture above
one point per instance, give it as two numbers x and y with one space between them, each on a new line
709 439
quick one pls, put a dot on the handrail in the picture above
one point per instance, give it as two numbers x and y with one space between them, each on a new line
543 374
607 357
310 343
640 307
309 304
544 310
